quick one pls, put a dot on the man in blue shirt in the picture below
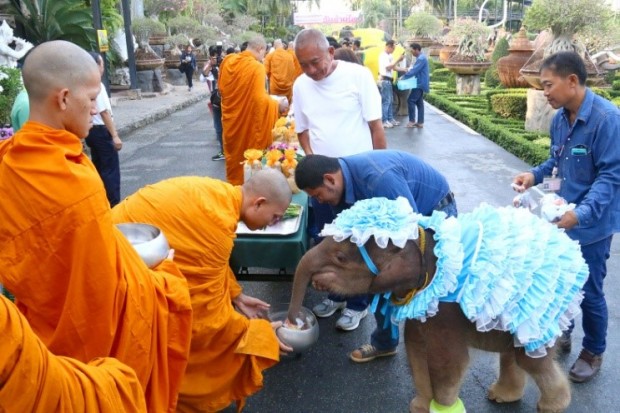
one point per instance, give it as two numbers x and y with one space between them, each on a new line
584 169
416 96
340 182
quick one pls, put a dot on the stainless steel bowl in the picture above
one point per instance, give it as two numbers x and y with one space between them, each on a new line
148 240
299 340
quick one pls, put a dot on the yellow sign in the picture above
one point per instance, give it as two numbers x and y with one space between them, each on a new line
102 39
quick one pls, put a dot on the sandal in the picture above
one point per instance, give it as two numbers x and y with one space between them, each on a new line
419 125
411 125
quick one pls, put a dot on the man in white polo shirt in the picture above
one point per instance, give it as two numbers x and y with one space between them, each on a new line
337 110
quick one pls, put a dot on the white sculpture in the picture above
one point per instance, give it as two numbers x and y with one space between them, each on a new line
8 55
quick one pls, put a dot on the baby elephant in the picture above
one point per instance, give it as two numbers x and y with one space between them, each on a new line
497 279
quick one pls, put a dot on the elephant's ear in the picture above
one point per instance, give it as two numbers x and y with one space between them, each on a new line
399 268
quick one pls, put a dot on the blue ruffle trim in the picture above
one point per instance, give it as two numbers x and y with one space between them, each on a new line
386 220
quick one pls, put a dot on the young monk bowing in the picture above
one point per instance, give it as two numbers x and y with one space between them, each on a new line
81 285
34 380
248 112
199 216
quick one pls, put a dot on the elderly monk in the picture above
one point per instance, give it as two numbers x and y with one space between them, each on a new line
34 380
248 112
81 285
199 216
280 69
290 49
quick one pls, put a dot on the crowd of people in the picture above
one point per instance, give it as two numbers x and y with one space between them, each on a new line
114 335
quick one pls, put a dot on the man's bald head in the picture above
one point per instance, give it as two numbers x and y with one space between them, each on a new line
63 82
257 43
270 184
277 44
55 65
312 38
266 195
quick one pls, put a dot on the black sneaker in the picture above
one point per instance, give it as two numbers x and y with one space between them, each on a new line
219 157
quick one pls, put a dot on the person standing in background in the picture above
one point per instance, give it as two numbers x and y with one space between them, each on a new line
386 66
248 112
188 66
280 69
416 96
104 142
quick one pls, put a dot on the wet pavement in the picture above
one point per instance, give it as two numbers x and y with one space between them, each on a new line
324 379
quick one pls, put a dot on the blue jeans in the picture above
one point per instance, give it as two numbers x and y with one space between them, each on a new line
416 100
217 124
387 112
594 305
105 158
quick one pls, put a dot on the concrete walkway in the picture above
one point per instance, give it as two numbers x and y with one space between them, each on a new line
324 379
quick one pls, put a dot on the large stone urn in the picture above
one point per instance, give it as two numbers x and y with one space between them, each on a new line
508 67
446 52
467 74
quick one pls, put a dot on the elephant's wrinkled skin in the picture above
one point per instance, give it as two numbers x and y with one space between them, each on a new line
438 348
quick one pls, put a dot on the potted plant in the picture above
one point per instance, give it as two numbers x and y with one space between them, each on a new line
424 27
146 58
508 67
469 61
172 49
565 18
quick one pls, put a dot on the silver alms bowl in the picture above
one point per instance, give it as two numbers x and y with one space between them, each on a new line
148 240
300 340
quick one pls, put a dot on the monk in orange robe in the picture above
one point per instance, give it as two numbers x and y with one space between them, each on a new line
280 69
248 112
291 50
199 216
34 380
81 285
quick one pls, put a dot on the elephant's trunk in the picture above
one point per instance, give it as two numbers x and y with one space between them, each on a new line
303 273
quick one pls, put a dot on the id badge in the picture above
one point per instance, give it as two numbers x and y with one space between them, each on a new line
551 184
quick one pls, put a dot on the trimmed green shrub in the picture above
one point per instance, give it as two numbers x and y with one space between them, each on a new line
509 105
434 65
10 85
451 82
604 93
616 85
616 101
491 77
441 75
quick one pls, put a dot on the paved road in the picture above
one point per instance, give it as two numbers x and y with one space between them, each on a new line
323 379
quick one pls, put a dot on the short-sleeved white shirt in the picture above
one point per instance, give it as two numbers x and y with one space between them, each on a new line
385 59
103 104
336 110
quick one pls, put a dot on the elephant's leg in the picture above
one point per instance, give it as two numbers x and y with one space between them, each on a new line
511 382
550 379
416 354
447 352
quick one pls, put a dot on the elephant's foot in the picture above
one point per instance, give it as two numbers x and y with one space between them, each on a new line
419 405
504 394
555 398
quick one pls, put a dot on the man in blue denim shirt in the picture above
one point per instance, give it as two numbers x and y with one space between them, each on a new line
340 182
416 97
585 160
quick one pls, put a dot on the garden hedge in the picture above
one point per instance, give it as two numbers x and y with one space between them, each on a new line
509 105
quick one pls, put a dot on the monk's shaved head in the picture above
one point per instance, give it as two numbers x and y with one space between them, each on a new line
56 64
257 43
311 37
270 184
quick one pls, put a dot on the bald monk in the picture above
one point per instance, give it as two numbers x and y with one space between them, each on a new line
248 112
34 380
291 50
199 216
81 285
280 69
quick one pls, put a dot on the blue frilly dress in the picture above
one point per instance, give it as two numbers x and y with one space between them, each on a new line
508 269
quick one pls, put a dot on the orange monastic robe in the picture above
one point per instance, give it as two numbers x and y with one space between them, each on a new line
248 113
298 70
34 380
81 285
228 351
280 68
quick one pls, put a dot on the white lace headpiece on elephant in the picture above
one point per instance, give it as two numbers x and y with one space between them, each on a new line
508 269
